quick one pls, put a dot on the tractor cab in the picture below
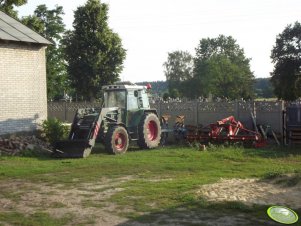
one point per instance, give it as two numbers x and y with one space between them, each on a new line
131 101
126 96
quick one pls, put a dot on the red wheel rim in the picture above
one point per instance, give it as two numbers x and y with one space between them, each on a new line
152 130
120 141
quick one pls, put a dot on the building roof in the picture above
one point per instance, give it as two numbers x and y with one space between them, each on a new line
13 30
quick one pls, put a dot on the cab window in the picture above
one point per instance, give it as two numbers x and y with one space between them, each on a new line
143 99
114 98
132 100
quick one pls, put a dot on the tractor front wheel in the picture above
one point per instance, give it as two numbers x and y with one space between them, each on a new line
149 131
117 140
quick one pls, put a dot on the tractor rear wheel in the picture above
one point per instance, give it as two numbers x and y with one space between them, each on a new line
117 140
149 131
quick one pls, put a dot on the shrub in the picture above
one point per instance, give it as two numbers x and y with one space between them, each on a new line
54 130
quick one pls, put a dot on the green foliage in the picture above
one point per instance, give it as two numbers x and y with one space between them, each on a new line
34 23
222 69
158 87
174 93
219 68
93 51
178 69
263 88
54 130
286 55
32 153
7 6
165 96
49 23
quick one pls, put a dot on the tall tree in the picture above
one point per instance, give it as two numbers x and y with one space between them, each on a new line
49 23
7 6
93 51
222 69
286 56
178 70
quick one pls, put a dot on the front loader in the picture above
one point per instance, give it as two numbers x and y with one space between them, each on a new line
125 116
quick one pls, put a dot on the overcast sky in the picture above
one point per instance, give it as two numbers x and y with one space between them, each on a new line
149 29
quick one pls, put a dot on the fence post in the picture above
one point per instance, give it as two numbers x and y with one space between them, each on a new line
197 112
236 110
159 108
281 121
65 115
254 110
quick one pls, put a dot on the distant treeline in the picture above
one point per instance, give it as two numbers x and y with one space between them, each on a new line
262 87
158 87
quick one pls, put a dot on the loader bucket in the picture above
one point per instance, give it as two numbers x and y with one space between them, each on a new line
72 149
82 136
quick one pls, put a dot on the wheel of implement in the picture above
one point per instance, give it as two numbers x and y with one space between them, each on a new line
117 140
149 131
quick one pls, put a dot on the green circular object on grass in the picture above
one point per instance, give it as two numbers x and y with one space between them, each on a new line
282 214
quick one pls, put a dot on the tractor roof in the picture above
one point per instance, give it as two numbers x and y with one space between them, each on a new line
123 85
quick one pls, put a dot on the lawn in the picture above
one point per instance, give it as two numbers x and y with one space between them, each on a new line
155 183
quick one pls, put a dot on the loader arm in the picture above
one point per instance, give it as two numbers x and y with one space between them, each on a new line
86 125
84 131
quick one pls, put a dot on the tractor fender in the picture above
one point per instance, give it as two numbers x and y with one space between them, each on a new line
118 124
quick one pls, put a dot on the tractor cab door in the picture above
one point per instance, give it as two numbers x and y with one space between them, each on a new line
116 98
133 111
143 102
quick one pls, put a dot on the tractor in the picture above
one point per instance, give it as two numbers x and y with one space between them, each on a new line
125 116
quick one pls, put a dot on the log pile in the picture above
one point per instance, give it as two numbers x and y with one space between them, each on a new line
15 145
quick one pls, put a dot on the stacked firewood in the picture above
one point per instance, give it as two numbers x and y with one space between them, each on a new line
14 145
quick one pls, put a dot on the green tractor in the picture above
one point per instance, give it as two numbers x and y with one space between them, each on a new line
125 116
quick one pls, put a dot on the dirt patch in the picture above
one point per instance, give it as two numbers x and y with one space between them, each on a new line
253 191
86 202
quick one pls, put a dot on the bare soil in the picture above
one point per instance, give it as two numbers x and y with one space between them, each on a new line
254 191
88 203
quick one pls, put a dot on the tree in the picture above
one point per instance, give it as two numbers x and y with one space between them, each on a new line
93 51
49 23
221 69
178 69
7 6
286 56
263 88
34 23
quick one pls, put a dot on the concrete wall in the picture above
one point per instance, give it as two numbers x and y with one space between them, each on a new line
196 112
23 98
266 112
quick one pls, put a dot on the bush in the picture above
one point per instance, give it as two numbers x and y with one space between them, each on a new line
54 130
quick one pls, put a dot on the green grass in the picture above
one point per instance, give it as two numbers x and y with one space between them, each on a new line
163 179
36 219
168 162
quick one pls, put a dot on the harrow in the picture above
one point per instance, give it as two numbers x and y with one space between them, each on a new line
225 130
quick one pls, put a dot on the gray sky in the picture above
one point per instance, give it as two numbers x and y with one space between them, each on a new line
149 29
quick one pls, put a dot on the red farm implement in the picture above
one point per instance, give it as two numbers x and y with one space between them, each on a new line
225 130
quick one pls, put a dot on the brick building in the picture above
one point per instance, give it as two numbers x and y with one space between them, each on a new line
23 100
